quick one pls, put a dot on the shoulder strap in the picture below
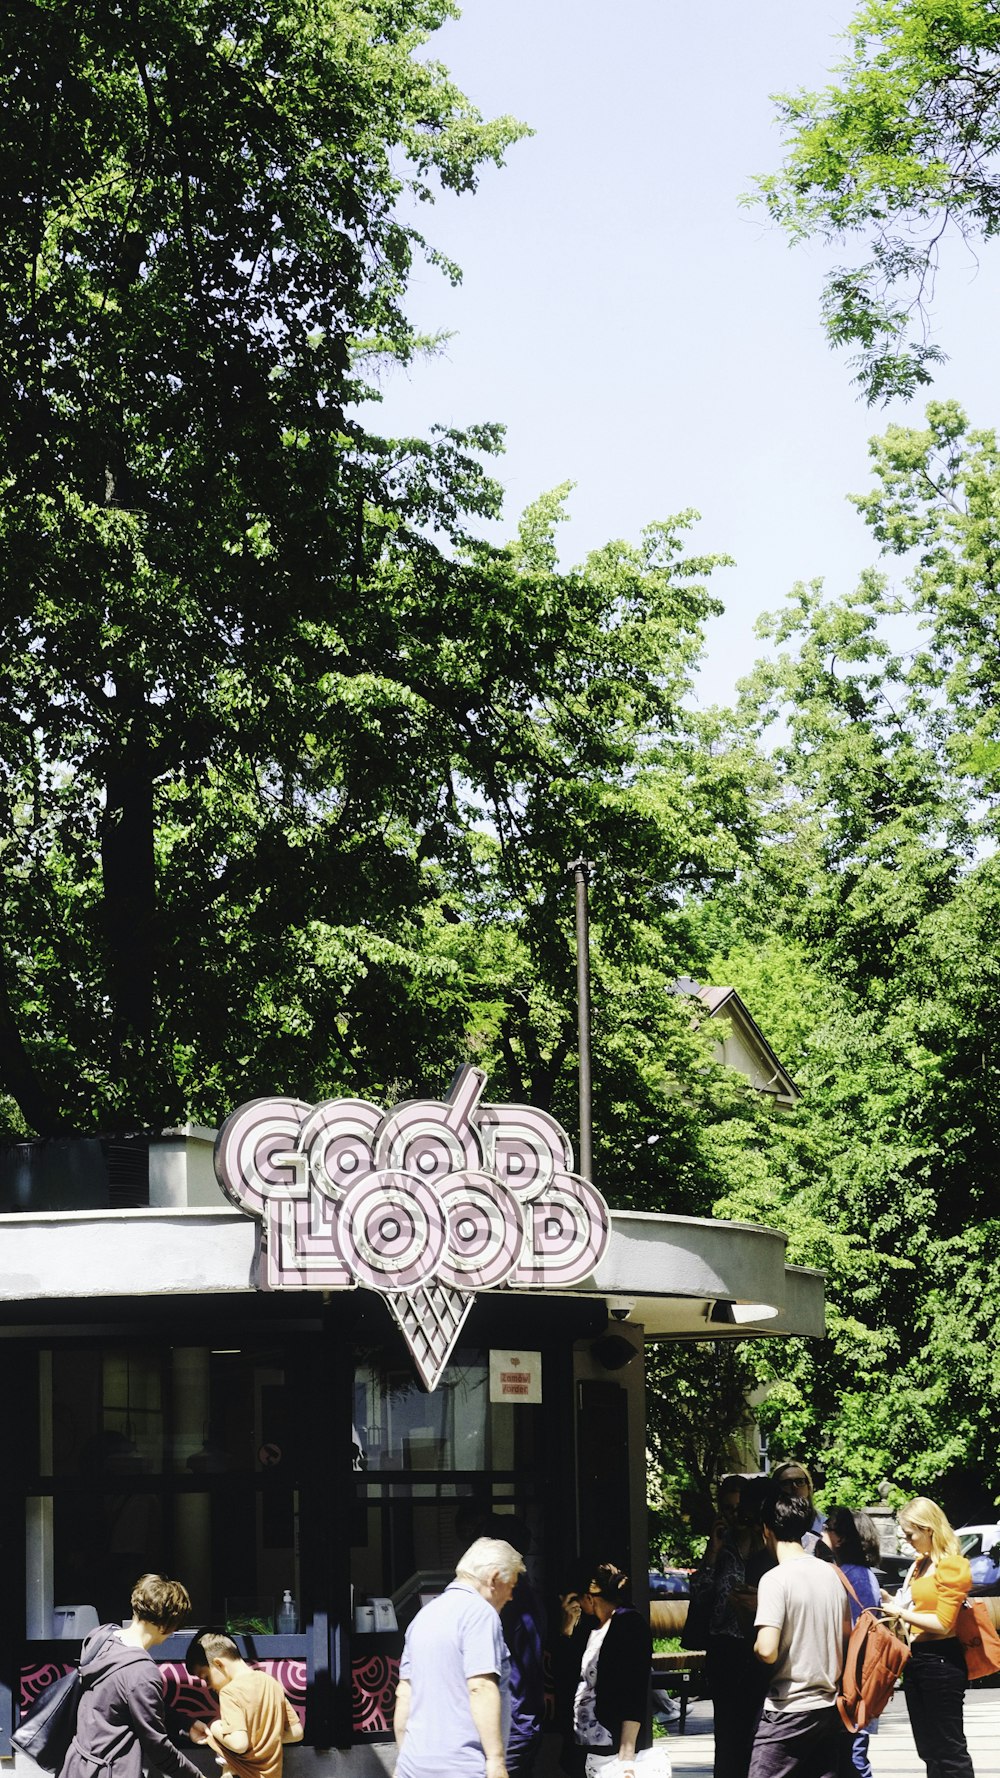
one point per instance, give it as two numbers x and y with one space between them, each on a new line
842 1577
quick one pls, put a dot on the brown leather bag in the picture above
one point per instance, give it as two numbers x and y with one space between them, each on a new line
980 1642
873 1664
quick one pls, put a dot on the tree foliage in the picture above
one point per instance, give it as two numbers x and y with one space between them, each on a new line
202 250
697 1403
898 154
872 911
296 761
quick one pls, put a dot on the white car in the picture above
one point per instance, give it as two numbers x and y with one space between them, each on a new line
978 1540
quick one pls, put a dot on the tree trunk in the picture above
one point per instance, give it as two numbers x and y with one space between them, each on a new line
20 1078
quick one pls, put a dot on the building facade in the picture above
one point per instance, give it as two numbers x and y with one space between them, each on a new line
289 1372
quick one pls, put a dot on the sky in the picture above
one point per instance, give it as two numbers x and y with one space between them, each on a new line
638 331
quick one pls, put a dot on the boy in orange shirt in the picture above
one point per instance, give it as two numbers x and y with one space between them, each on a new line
255 1718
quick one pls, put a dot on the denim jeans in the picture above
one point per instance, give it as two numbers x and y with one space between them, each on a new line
859 1754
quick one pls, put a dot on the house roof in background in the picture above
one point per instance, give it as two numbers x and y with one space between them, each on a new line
727 1001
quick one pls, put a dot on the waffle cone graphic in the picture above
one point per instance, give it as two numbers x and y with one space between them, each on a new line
430 1318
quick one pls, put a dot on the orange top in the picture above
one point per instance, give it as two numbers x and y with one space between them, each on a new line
940 1587
256 1701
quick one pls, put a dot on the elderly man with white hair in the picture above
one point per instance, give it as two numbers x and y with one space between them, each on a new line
453 1700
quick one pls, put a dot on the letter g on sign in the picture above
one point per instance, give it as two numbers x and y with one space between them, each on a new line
253 1147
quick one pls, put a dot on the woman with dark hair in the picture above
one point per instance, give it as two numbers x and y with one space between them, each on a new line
609 1710
723 1594
852 1538
120 1726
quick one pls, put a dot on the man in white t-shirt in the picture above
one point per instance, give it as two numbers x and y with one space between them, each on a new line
452 1715
803 1622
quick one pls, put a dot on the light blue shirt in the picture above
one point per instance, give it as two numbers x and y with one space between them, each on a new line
452 1640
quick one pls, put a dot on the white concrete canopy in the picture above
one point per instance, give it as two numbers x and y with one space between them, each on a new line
687 1277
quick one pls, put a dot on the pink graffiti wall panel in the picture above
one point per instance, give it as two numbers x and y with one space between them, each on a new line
37 1679
190 1700
184 1697
373 1693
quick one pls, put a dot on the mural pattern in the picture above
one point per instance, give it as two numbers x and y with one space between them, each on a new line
373 1693
37 1679
373 1690
186 1700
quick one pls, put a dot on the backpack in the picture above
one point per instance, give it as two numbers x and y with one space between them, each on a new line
874 1660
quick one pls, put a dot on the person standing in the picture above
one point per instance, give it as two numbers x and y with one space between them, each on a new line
567 1649
523 1624
929 1601
793 1479
803 1626
452 1715
852 1538
120 1726
611 1706
734 1680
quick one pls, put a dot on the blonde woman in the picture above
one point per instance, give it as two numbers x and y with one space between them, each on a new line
793 1480
928 1602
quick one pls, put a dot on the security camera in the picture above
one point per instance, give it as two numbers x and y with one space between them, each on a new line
620 1307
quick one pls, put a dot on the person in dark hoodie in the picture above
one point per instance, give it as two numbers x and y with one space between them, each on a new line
120 1726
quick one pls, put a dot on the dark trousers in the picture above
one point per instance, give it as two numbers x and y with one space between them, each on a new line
934 1681
801 1744
522 1754
737 1684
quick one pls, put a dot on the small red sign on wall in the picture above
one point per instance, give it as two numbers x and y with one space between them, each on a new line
516 1376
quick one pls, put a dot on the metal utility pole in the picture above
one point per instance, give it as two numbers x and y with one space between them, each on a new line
581 869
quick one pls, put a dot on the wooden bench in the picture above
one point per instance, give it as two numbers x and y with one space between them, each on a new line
667 1617
680 1667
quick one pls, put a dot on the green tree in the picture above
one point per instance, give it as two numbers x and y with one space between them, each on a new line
872 910
697 1406
898 153
608 763
936 507
203 249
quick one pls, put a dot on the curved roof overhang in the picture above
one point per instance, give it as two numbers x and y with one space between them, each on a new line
682 1277
693 1278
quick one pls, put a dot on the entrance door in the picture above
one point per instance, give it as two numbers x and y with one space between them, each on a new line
602 1446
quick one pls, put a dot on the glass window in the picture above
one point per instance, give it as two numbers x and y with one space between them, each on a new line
186 1410
431 1472
101 1412
179 1459
399 1426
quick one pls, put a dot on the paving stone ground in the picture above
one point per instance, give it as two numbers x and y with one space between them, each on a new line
893 1754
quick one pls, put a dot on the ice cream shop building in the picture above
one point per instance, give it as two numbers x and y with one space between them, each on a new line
298 1363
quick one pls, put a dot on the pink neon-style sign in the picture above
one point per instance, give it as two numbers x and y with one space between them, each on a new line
446 1193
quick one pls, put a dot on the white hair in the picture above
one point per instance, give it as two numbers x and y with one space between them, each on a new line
488 1556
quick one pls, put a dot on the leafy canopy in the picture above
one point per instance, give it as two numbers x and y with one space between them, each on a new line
899 153
865 932
202 253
